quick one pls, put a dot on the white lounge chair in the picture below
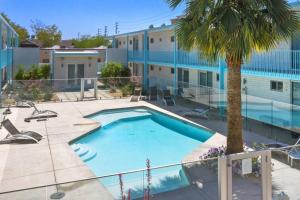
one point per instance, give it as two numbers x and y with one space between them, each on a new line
136 95
198 112
15 136
40 114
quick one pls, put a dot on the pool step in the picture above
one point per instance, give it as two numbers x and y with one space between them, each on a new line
89 156
85 152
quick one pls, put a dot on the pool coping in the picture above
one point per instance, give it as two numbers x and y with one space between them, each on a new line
175 116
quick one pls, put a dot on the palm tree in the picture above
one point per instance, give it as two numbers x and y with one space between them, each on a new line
233 29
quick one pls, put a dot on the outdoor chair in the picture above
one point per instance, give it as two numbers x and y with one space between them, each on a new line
15 136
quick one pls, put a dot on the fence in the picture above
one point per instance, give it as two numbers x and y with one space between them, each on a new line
263 174
60 90
281 116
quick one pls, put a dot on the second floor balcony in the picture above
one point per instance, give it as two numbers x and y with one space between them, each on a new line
274 63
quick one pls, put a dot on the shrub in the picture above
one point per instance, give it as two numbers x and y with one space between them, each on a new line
114 69
45 71
20 73
35 72
127 89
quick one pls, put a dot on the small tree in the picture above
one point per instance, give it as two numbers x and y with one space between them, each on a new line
20 73
48 35
45 71
111 69
90 42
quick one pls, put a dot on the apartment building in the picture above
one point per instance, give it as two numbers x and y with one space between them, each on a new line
156 55
9 39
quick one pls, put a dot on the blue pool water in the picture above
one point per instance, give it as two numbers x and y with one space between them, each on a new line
130 136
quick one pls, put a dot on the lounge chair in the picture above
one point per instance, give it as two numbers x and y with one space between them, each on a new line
23 104
136 95
153 93
199 112
15 136
40 114
167 98
294 152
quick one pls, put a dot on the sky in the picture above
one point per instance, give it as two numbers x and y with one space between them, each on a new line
85 17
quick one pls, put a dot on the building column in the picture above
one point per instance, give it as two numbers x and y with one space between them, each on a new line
175 86
1 29
222 93
127 48
221 74
145 77
9 56
114 42
16 41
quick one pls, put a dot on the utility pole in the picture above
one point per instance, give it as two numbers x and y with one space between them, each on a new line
99 32
105 31
117 28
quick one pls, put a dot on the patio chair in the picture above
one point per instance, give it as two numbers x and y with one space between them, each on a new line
136 95
294 152
15 136
198 112
22 104
40 114
153 93
167 98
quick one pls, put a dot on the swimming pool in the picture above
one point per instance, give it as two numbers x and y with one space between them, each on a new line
130 136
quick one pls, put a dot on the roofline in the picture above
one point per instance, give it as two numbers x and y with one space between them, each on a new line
75 54
7 24
150 30
71 49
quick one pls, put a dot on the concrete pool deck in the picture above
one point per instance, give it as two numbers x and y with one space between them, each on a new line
52 161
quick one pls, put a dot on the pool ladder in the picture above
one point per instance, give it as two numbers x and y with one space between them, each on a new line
85 152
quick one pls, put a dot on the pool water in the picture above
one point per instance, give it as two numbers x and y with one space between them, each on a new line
130 136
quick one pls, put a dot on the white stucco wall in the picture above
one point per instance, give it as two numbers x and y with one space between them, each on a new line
25 57
162 41
260 87
61 72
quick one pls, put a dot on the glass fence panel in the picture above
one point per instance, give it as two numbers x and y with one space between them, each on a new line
193 180
64 90
247 178
286 173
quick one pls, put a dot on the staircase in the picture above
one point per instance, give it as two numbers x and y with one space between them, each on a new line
85 152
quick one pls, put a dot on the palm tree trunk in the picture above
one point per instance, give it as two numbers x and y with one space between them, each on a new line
234 117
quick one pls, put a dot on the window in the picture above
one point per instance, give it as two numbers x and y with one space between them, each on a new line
152 40
130 42
160 39
151 67
172 38
218 77
202 79
120 43
276 86
172 70
205 79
